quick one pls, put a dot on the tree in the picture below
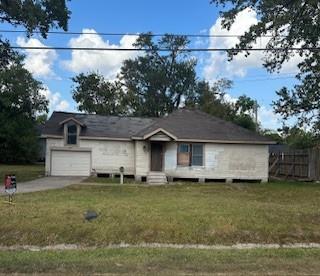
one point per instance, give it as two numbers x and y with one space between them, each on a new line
211 99
298 138
153 84
20 99
290 24
94 94
20 102
156 83
34 15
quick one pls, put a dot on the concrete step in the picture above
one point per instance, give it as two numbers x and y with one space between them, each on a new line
157 178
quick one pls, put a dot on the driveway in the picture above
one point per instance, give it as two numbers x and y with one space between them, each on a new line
46 183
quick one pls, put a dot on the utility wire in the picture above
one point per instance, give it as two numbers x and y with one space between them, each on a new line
312 49
131 34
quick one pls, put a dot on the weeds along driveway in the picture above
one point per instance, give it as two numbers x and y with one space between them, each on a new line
45 183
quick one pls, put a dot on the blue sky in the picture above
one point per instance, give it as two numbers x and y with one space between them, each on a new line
55 68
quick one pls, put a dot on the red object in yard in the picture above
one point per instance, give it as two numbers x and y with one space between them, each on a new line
7 181
10 182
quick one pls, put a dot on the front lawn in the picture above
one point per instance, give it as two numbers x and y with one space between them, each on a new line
22 172
163 262
190 213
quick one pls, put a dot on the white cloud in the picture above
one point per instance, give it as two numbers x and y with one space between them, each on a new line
269 119
218 64
38 62
107 63
56 103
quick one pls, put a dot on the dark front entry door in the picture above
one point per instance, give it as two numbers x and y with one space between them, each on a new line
156 157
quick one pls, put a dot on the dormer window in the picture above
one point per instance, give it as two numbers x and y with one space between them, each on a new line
72 133
72 129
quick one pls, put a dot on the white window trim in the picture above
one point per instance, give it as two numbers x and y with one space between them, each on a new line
65 128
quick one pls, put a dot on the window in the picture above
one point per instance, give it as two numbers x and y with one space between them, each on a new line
71 134
190 155
184 155
197 155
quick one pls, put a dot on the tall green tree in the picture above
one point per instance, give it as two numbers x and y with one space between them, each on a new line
157 82
21 100
95 94
34 15
211 99
152 84
293 23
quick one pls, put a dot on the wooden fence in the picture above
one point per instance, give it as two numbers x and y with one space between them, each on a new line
295 164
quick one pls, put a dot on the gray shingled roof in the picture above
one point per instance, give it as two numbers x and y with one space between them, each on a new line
97 125
197 125
183 124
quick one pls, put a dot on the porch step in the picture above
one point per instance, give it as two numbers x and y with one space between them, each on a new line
157 178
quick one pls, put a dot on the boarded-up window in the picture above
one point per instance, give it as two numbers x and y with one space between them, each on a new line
190 155
184 155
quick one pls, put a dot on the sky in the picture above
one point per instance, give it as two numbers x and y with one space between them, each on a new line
56 68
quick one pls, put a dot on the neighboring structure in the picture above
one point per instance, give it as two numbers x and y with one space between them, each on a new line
185 144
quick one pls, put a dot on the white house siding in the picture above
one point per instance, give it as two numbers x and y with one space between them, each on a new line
142 158
109 156
222 161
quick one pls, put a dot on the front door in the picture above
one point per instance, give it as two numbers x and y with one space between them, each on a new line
156 157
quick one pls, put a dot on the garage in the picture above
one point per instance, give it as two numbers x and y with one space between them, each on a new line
70 163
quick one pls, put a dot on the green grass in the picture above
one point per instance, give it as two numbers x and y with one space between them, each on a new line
163 261
109 180
22 172
196 214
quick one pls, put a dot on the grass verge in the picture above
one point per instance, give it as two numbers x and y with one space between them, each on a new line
22 172
163 261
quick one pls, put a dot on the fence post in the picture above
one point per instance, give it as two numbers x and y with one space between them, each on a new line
313 157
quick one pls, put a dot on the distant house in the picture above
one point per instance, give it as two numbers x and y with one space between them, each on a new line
186 144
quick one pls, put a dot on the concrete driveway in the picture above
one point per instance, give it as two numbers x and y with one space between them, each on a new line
46 183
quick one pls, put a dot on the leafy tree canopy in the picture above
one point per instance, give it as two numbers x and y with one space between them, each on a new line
149 85
34 15
295 137
211 99
21 101
156 83
94 94
293 23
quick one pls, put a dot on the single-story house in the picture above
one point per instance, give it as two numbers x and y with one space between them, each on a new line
186 144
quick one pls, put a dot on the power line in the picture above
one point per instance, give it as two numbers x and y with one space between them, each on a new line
312 49
265 79
132 34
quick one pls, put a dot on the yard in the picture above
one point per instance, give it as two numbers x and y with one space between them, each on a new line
22 172
213 214
163 262
190 213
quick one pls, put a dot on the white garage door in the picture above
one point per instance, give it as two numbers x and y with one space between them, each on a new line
70 163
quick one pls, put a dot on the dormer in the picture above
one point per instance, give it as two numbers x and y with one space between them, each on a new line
71 130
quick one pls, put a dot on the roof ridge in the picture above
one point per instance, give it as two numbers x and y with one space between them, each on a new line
115 116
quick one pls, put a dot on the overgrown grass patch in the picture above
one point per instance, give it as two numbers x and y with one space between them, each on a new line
22 172
193 213
163 261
